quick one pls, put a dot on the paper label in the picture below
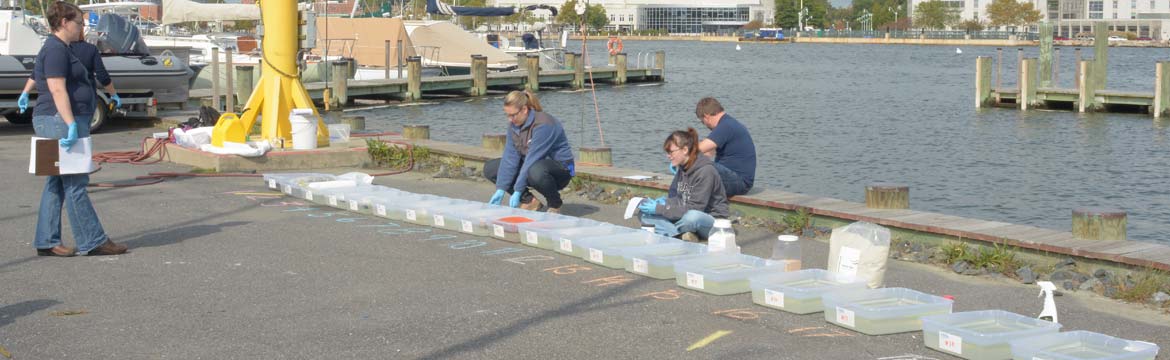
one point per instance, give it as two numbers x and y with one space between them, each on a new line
845 316
467 226
380 210
694 280
332 200
640 266
309 195
353 205
774 298
530 237
410 215
950 342
272 183
848 260
716 243
498 230
439 220
287 189
596 256
566 245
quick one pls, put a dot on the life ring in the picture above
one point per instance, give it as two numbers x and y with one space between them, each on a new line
614 45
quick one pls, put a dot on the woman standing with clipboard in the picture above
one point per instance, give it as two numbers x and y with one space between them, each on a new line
64 111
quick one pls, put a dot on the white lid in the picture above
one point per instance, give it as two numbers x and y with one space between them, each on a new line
788 238
723 223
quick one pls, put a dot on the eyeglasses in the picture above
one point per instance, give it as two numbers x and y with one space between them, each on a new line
671 152
512 115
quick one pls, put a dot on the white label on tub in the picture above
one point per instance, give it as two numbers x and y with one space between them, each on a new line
410 215
566 245
596 255
950 342
845 316
353 205
467 226
272 184
847 261
498 230
309 195
287 189
640 266
380 209
530 236
439 221
332 200
694 280
774 298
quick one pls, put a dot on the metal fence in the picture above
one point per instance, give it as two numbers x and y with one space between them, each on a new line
916 34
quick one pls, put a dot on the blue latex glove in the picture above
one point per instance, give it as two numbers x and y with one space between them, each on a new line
648 207
673 169
515 200
117 100
572 169
22 102
661 200
70 139
497 197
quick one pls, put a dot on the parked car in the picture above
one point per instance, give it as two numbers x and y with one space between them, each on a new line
1116 38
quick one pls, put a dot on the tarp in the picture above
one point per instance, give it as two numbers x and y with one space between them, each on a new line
446 43
364 39
180 11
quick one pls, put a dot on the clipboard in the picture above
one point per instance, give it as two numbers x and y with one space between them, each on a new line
48 158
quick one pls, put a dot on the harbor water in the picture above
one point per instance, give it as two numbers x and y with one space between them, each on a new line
829 119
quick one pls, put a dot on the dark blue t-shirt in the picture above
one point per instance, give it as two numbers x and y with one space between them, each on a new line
734 148
56 60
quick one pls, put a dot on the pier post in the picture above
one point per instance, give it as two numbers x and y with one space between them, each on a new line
1098 224
398 50
595 156
230 94
478 75
1056 68
532 63
1100 53
1028 80
215 78
612 60
1161 88
356 123
339 84
1086 100
1045 68
998 71
982 81
416 132
887 196
1076 71
573 60
620 75
494 141
660 64
414 78
387 63
244 83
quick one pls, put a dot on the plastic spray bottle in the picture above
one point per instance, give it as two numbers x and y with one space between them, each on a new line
1047 288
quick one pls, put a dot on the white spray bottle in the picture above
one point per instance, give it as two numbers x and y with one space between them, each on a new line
1047 288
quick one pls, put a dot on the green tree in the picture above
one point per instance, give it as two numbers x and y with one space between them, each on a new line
595 17
1011 13
935 14
568 14
972 25
786 13
1028 15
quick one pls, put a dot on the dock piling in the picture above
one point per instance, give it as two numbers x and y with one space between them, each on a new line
215 79
244 83
414 78
532 64
494 141
340 84
478 75
387 63
416 132
578 73
887 196
1076 71
1045 65
1100 54
1161 86
1099 224
982 81
660 63
595 156
398 49
1028 80
356 123
1086 100
229 95
620 77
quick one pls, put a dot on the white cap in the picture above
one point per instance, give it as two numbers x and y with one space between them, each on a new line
787 238
722 223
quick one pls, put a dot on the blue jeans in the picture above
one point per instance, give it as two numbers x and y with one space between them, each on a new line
693 221
733 184
68 191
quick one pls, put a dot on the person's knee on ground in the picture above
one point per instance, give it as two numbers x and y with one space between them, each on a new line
491 170
697 222
541 178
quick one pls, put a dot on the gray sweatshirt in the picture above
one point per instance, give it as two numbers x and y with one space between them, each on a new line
699 188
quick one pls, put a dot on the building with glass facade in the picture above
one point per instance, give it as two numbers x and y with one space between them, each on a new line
675 16
1072 18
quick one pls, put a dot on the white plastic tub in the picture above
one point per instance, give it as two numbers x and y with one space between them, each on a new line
882 311
981 335
800 292
566 238
607 250
474 220
537 233
657 261
721 273
507 227
1081 345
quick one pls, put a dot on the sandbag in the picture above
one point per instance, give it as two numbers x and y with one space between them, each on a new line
860 249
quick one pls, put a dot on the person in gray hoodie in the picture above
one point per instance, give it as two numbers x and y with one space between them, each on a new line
699 197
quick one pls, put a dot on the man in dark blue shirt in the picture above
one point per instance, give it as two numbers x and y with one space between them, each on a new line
730 145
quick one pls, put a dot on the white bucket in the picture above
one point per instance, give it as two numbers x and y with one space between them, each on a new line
304 129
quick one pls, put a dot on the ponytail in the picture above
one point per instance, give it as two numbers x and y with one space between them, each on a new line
523 99
688 139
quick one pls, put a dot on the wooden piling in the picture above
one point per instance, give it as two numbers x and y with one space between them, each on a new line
998 71
1028 80
215 78
1076 69
478 75
356 123
982 82
494 141
1045 64
416 132
1100 54
887 196
595 156
660 63
571 63
387 63
1087 95
532 64
1161 88
231 91
244 84
1056 67
398 50
1099 224
620 76
414 78
340 84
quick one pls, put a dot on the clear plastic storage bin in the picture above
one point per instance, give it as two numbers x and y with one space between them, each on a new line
412 209
363 202
537 233
566 238
1081 345
507 227
298 186
721 273
882 311
278 181
981 335
800 292
438 214
657 261
340 197
607 250
474 221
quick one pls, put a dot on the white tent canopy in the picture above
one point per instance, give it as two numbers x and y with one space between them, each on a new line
179 11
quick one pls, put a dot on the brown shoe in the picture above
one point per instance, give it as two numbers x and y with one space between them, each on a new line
533 205
108 248
59 250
